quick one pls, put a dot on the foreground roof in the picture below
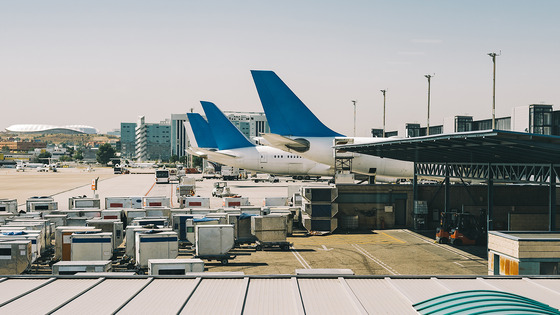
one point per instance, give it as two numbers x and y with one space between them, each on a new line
281 294
490 146
33 128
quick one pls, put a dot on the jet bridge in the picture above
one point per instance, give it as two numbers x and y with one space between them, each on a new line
493 156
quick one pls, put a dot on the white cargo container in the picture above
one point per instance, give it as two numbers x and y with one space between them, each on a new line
92 246
242 228
90 213
57 219
156 201
157 267
130 235
88 266
38 225
77 221
251 210
160 245
289 217
192 223
112 226
35 238
157 212
113 214
221 216
9 205
202 211
194 202
230 202
132 202
15 256
131 214
6 216
275 201
159 221
63 240
214 240
41 204
269 228
83 202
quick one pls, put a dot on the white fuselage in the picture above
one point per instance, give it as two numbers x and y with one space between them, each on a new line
270 160
321 150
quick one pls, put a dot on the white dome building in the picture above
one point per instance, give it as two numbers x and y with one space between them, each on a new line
50 129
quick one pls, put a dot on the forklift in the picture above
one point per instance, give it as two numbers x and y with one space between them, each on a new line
446 224
468 229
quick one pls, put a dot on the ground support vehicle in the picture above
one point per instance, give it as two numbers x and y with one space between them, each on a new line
259 245
223 259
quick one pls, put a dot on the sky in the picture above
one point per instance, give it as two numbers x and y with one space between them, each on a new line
100 63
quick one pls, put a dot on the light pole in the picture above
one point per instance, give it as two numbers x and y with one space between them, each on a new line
354 103
383 91
429 77
493 55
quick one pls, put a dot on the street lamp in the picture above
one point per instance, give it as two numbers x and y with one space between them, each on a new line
494 55
429 77
383 91
354 103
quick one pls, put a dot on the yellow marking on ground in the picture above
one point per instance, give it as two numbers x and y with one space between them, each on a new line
398 240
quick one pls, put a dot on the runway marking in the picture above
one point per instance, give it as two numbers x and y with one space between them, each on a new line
300 258
375 259
396 239
150 189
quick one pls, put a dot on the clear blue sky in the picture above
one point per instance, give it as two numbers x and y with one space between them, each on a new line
100 63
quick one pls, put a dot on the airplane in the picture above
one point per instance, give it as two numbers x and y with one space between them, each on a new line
294 128
234 149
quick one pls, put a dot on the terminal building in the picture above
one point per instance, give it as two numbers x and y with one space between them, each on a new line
153 140
251 124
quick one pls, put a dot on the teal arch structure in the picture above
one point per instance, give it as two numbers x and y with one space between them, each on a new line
483 302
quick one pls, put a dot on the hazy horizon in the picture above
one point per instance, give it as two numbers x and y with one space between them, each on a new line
100 63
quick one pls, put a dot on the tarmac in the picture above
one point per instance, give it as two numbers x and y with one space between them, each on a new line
378 252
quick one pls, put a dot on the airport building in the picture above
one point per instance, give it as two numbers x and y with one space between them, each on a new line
20 146
128 140
251 124
50 129
153 140
179 139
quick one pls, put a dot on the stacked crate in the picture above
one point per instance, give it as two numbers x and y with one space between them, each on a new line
319 208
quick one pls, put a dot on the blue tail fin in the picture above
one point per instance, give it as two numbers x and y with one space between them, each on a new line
285 112
227 136
201 130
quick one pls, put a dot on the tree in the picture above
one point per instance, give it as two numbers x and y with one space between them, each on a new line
105 153
79 155
174 158
5 149
44 156
197 161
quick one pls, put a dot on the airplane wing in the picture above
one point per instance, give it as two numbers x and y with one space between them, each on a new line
284 143
205 153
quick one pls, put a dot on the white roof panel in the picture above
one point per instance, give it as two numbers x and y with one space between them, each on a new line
11 288
48 297
164 296
527 288
217 296
418 290
327 296
104 298
273 296
377 296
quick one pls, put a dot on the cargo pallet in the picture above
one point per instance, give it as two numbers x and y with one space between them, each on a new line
283 245
223 259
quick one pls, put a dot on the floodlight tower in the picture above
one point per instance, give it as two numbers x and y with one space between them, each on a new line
494 55
429 77
354 103
383 91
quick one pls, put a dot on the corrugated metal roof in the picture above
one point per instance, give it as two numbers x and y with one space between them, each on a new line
105 297
161 296
276 294
273 296
217 296
49 297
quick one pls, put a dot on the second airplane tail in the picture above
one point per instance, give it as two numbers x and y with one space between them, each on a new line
227 136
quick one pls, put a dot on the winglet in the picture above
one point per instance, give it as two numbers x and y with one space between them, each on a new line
286 113
227 136
202 135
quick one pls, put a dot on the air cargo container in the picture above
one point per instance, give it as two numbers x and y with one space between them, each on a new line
83 202
221 216
230 202
90 213
39 225
269 228
286 212
5 216
179 225
203 211
35 238
40 204
15 256
157 267
156 201
192 223
319 194
132 202
157 212
112 226
194 202
91 246
77 221
275 201
131 214
113 214
251 210
74 267
63 240
326 225
213 242
320 210
9 205
130 238
159 221
242 228
57 219
155 245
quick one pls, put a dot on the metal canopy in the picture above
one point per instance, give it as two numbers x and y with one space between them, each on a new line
490 146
